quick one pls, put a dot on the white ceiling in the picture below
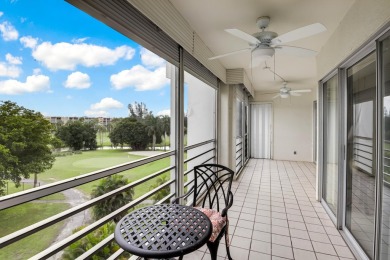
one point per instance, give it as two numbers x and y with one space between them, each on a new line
209 18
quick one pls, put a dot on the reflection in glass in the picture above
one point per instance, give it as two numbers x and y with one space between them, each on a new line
360 178
331 117
385 71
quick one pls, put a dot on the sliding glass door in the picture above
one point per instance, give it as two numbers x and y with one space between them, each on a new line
385 83
331 143
360 167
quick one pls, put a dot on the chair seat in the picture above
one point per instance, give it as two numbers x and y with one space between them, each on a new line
216 219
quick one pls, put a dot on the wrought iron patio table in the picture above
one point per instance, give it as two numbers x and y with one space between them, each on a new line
163 231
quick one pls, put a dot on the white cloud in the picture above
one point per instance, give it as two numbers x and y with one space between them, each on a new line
69 97
151 60
96 113
1 14
80 40
12 59
165 112
140 78
78 80
34 83
100 109
67 56
29 42
8 32
37 71
107 103
10 71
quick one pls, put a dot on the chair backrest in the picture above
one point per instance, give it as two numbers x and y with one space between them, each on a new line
212 184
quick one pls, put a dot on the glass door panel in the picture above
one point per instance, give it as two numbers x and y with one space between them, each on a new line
385 83
360 176
331 154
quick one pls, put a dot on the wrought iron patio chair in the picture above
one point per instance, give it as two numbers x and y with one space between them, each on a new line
211 194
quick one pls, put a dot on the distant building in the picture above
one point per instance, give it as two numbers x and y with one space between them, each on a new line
105 121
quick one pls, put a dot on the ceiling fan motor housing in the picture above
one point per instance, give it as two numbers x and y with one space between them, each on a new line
265 36
262 22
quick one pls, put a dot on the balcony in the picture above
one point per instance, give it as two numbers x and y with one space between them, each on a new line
274 216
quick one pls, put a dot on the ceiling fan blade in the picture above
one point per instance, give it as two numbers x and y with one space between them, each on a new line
297 51
295 94
276 96
228 54
300 91
300 33
243 35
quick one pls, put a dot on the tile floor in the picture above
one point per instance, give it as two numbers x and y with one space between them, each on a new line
275 216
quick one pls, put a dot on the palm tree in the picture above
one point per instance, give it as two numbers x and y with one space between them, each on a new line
84 244
113 203
153 127
165 122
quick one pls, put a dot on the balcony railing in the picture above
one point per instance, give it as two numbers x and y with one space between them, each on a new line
362 154
205 152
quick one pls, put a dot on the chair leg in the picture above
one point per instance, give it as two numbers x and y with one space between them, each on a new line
227 244
228 252
213 248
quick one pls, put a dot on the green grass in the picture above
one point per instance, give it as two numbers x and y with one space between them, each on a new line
89 161
66 167
25 215
25 186
102 139
13 189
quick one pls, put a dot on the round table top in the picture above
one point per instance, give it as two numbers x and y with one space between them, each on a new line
161 231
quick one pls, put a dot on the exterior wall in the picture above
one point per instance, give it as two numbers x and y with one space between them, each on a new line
362 20
226 126
292 126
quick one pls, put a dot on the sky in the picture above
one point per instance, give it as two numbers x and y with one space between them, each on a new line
58 60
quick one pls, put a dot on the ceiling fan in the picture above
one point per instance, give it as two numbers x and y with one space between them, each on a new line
286 92
264 44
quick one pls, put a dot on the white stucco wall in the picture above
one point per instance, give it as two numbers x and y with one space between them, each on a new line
293 126
363 19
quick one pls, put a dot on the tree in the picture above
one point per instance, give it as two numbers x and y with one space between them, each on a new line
25 136
161 193
56 143
84 244
130 131
165 127
154 129
138 111
113 203
78 135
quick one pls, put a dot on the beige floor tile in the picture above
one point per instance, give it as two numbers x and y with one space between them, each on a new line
262 236
242 232
319 237
282 251
301 244
299 234
323 248
343 251
326 257
253 255
261 246
304 255
241 242
281 240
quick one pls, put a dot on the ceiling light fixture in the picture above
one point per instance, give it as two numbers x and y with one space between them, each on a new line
263 53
